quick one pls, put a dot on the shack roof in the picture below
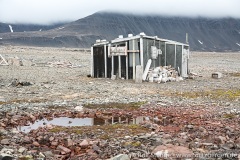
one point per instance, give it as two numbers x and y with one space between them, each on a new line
119 40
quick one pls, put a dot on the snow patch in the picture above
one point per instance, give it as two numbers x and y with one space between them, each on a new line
61 28
40 30
10 27
200 42
238 44
0 38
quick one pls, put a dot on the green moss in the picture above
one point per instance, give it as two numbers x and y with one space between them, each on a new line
127 106
229 116
104 131
235 74
213 94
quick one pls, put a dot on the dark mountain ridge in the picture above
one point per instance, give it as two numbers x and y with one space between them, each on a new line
205 34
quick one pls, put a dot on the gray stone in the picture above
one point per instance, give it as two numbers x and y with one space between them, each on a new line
26 63
113 77
121 157
216 75
21 149
48 154
5 141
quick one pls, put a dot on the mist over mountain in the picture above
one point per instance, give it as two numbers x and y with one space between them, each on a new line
205 34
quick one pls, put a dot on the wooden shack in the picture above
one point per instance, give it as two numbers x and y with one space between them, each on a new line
121 56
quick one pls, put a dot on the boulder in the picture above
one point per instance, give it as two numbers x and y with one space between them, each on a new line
171 151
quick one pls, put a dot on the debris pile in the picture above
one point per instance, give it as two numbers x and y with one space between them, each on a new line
62 64
163 74
17 83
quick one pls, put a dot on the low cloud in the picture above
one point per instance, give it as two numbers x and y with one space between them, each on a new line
52 11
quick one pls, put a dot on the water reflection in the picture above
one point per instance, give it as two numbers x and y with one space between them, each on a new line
68 122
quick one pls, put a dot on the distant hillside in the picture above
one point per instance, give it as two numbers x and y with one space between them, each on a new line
7 28
204 34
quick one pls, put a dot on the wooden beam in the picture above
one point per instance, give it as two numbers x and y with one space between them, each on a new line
134 60
141 52
126 44
119 66
175 61
112 66
92 64
133 51
105 61
165 53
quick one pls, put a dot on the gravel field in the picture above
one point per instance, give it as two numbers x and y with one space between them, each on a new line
57 77
72 85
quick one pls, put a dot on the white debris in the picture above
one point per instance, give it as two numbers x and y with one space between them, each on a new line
238 44
0 38
200 42
79 108
40 30
63 64
10 27
61 28
163 74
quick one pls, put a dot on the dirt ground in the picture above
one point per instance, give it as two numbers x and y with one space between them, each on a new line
64 83
56 78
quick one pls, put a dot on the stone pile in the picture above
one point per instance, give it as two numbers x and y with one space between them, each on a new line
163 74
62 64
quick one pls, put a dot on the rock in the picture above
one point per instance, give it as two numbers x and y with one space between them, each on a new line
79 108
41 155
121 157
26 63
6 157
113 77
220 140
21 149
51 138
35 143
48 154
16 62
54 143
69 143
7 151
217 75
64 149
84 143
165 151
96 148
5 141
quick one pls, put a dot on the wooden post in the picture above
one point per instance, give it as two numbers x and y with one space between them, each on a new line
92 64
112 66
134 60
126 61
175 61
165 53
141 52
105 60
139 74
119 67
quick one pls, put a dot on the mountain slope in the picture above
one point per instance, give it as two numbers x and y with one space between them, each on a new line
204 34
7 28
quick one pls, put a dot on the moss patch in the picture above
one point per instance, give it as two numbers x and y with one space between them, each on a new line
104 131
126 106
236 74
213 94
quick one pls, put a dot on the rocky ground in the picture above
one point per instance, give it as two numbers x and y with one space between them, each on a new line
191 119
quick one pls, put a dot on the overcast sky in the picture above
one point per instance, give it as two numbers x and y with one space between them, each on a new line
52 11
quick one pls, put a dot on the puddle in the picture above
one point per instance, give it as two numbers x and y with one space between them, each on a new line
61 121
71 122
